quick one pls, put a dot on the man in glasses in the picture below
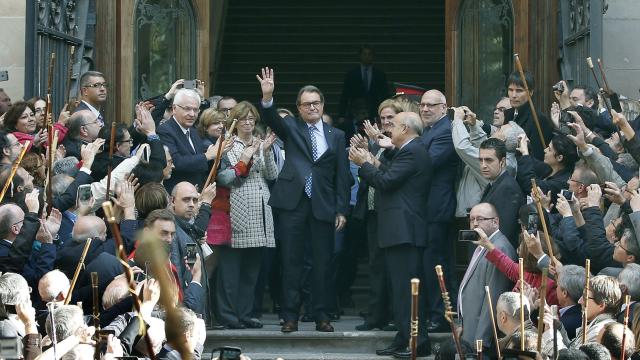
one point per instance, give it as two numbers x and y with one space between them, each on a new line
93 94
190 156
84 128
10 148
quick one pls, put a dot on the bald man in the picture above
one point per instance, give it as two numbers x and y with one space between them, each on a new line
401 197
85 227
192 211
84 127
11 221
441 204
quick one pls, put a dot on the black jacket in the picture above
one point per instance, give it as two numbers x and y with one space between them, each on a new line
505 194
402 189
527 123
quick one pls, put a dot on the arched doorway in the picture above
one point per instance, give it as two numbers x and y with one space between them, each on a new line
485 48
164 45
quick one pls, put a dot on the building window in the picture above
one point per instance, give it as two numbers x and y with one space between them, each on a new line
486 53
165 45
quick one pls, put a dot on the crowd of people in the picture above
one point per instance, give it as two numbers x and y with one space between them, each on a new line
556 190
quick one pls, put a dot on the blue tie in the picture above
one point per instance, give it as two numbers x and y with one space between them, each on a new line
314 153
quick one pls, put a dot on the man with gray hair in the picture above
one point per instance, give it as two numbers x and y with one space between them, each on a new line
508 316
629 279
68 320
84 128
190 156
13 291
402 188
53 286
569 289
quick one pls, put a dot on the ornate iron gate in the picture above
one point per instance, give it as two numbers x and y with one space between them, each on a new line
581 37
64 28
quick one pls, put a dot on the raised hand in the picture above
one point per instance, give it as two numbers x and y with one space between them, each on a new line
593 195
483 240
267 84
372 131
143 122
555 115
358 141
268 141
174 88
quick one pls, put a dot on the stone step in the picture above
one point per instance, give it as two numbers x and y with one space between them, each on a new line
268 342
316 356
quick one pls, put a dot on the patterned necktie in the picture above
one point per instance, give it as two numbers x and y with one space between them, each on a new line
314 153
188 135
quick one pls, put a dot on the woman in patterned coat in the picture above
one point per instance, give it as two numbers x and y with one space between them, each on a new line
251 221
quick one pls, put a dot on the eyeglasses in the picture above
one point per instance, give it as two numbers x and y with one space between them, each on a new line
93 122
308 105
430 106
97 85
479 218
130 141
248 120
16 223
188 109
618 243
576 181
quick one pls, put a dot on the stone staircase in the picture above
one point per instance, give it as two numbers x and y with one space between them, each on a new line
269 343
317 42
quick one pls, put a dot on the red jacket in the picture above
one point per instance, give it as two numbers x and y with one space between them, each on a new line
511 270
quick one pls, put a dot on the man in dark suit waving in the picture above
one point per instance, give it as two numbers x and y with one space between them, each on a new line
190 157
311 196
402 188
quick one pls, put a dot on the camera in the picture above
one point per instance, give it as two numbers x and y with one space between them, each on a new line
189 84
468 235
228 353
565 120
559 87
567 194
532 223
192 251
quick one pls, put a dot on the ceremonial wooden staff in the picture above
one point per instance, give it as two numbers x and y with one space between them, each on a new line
608 91
537 197
521 264
413 340
79 267
115 230
167 290
72 53
49 123
554 327
112 144
543 302
96 300
52 307
216 162
627 303
585 300
96 313
529 100
493 321
479 349
14 168
448 311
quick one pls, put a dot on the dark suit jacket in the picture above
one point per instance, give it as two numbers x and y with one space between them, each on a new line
527 123
401 195
505 194
354 88
189 165
331 175
166 354
441 205
67 258
72 147
571 320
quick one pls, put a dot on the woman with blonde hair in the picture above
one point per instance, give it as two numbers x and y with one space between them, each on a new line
251 220
211 125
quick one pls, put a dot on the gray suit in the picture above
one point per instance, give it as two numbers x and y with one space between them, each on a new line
475 310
